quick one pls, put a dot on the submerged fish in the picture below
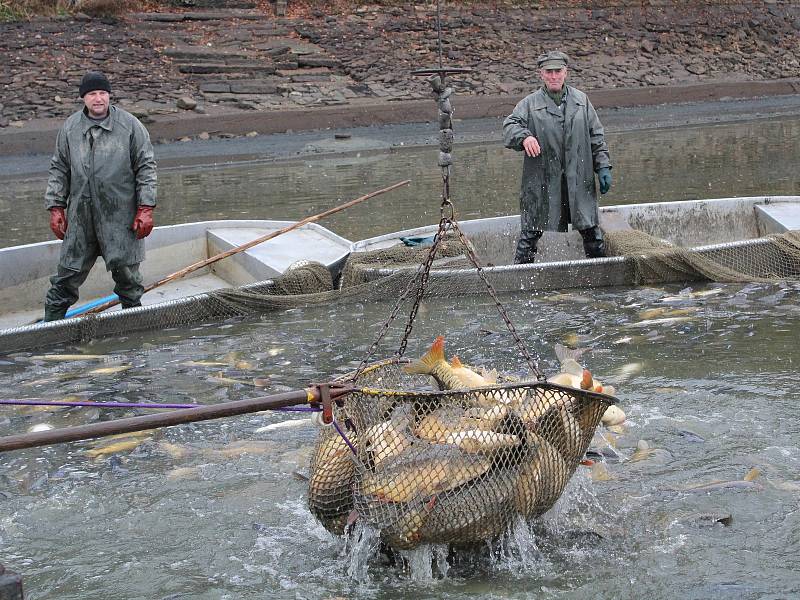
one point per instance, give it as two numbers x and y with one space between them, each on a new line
289 423
599 472
110 370
664 321
241 448
747 483
120 446
40 427
652 313
204 363
69 357
220 378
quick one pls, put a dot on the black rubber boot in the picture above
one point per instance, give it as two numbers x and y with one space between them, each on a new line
526 247
54 314
593 244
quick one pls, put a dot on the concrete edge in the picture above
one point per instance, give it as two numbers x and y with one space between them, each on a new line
39 137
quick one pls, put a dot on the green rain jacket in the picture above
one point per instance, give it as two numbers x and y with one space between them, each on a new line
100 180
573 146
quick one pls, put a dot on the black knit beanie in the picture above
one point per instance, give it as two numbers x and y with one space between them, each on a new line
94 80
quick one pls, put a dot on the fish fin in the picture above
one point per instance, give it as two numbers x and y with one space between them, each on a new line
610 390
752 474
563 353
489 376
455 362
352 517
429 360
587 382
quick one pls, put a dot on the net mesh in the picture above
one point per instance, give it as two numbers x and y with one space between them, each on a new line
771 258
454 467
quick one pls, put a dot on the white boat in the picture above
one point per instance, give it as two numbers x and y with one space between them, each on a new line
725 230
721 229
25 270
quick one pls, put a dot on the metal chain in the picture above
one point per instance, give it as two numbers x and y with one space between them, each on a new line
446 222
421 276
500 308
426 272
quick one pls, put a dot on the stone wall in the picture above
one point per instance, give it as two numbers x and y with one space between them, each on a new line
251 59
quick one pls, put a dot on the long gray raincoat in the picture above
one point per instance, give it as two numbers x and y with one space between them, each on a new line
101 178
573 147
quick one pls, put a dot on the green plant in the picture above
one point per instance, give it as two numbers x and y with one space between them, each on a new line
10 13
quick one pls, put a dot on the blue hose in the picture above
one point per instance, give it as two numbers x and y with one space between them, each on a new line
90 305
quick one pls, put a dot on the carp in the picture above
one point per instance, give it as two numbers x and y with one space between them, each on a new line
422 474
330 486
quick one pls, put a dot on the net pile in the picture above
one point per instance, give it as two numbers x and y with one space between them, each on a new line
771 258
452 467
450 254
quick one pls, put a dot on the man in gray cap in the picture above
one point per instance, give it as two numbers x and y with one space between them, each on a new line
101 192
558 129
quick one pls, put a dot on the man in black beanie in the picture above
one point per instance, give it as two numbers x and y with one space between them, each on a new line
101 192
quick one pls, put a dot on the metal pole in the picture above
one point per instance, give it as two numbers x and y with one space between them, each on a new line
176 417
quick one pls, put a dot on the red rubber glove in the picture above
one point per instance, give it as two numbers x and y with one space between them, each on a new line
58 222
143 222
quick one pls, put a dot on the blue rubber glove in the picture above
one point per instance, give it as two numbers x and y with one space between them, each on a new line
604 176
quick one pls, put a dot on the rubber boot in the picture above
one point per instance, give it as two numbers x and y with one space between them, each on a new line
593 244
526 247
54 314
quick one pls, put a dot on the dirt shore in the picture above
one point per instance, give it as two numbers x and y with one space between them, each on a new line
193 75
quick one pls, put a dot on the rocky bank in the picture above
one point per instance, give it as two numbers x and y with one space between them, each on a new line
321 54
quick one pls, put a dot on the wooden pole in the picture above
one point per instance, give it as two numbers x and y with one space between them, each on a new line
255 242
174 417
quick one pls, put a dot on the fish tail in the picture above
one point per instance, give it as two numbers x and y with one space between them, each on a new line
426 364
563 353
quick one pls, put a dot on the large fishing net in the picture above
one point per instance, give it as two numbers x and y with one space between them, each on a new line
771 258
447 467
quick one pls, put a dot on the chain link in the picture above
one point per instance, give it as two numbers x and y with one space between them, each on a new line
532 363
422 274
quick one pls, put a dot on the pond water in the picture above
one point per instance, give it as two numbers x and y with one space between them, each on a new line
742 159
217 509
707 376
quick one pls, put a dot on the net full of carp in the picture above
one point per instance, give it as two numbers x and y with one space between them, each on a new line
447 467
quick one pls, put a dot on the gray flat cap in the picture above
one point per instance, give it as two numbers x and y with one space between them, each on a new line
553 60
